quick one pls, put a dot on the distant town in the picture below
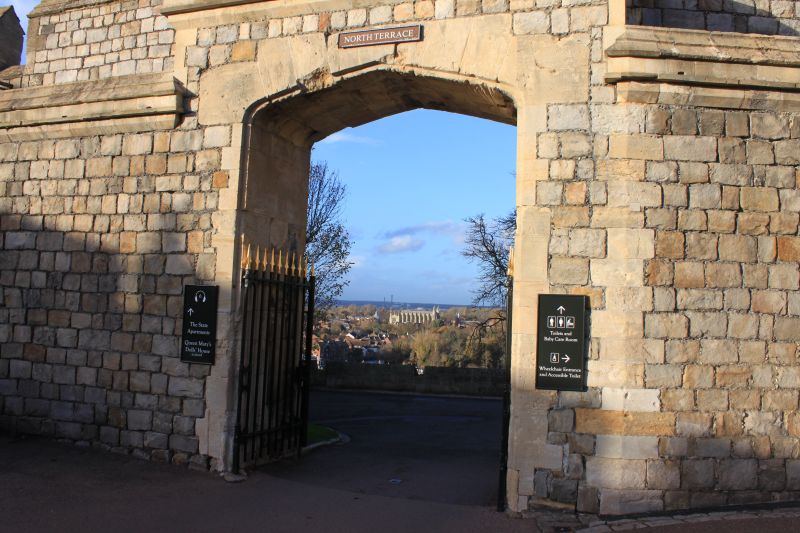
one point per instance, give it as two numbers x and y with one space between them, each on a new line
389 333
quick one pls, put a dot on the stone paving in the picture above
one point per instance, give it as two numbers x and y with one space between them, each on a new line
553 521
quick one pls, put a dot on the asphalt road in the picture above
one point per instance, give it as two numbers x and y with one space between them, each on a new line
428 448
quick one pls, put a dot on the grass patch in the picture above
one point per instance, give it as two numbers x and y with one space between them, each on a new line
320 434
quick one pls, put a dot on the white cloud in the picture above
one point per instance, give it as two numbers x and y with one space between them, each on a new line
345 136
454 230
444 227
357 261
402 243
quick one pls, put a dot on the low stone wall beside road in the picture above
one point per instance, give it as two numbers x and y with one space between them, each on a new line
434 380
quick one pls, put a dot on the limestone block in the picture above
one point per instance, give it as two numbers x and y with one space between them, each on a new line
697 473
620 169
669 325
631 243
617 324
587 243
617 217
531 22
663 474
738 474
690 148
615 374
759 198
787 329
758 423
274 74
618 118
568 117
544 61
789 249
569 270
769 126
458 45
649 147
603 472
629 298
662 376
626 447
445 9
633 195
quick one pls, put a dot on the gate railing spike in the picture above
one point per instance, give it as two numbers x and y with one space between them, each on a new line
280 257
247 258
305 265
272 260
241 252
286 266
294 257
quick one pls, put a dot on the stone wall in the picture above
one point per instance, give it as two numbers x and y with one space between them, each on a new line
657 173
99 235
97 41
769 17
693 376
404 378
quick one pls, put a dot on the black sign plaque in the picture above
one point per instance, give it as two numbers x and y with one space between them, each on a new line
199 337
560 362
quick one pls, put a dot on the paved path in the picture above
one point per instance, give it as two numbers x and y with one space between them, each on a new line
46 486
418 447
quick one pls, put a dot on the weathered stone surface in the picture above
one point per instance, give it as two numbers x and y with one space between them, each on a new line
615 473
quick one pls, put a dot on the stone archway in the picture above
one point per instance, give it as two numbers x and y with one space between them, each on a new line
297 90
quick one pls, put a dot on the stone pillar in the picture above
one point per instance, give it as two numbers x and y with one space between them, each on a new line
10 38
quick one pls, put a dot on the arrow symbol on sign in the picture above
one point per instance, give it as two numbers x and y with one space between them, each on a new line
560 309
190 312
566 358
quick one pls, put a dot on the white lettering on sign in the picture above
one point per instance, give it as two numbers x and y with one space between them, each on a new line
382 36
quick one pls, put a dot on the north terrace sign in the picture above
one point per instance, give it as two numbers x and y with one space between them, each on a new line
404 34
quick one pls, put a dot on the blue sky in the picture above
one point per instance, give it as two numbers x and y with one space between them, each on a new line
22 8
412 179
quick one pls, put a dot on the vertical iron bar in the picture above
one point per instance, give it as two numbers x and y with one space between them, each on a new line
278 355
289 369
296 354
272 355
249 369
264 354
255 360
502 489
237 435
307 363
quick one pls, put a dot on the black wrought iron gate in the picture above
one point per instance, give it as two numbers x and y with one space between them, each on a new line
277 309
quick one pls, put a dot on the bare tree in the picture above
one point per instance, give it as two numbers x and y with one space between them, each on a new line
486 243
327 240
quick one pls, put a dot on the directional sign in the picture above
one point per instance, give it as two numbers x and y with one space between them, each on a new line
560 356
199 337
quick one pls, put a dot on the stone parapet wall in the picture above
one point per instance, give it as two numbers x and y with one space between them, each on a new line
96 41
768 17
